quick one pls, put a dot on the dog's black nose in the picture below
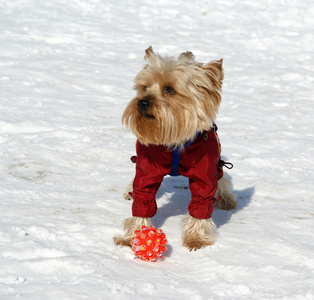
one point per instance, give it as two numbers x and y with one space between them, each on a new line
143 105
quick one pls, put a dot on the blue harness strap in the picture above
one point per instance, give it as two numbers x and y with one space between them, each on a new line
176 155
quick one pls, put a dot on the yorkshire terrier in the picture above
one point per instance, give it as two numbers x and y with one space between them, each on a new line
173 117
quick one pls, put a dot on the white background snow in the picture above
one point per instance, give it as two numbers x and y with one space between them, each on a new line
66 75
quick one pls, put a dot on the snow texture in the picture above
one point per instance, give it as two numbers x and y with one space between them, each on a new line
66 75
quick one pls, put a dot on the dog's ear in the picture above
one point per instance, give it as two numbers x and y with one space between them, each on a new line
149 52
186 57
214 72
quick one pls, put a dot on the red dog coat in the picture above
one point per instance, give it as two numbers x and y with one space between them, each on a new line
199 161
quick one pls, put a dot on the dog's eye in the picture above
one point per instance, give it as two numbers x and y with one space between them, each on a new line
145 88
169 90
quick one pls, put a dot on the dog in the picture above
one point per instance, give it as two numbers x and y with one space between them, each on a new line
173 117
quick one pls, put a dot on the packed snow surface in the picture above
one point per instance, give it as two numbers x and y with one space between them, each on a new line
66 75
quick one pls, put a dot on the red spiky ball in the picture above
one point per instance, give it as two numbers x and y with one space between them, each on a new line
149 243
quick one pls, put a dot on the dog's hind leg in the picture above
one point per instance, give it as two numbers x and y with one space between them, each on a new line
224 190
128 190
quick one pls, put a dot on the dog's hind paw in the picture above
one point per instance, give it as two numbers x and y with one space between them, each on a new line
230 204
127 196
129 190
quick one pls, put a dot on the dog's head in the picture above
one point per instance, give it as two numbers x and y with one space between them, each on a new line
176 98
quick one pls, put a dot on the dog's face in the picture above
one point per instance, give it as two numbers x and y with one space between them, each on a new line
176 98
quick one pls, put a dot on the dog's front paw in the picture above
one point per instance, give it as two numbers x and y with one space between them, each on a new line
198 233
130 225
122 241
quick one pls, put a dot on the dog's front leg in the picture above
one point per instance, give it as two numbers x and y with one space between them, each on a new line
198 233
130 225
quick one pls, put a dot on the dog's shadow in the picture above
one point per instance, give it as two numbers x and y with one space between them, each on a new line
173 198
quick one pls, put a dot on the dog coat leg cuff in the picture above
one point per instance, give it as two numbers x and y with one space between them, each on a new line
201 211
144 210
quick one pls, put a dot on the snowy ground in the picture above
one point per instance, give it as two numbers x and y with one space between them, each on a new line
66 71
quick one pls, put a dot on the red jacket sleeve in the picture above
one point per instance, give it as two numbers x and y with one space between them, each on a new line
204 180
202 193
148 177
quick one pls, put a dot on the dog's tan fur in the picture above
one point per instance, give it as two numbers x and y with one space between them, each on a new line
184 98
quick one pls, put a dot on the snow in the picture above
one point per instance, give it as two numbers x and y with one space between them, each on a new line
66 75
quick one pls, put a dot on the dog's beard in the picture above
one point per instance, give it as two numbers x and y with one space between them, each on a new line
164 123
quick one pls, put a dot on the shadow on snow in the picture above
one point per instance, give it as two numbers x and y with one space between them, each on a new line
174 197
